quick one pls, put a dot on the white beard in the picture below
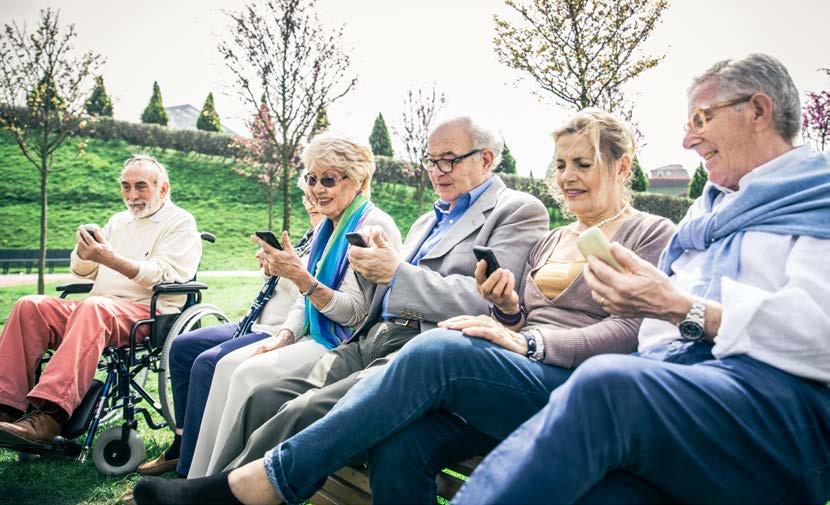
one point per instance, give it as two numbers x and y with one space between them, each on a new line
149 209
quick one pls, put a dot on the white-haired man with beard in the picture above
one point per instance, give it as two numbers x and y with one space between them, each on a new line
152 242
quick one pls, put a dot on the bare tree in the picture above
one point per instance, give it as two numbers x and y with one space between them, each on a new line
44 88
278 50
420 109
580 51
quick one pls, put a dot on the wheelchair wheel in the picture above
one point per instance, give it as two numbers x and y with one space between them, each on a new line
203 314
107 457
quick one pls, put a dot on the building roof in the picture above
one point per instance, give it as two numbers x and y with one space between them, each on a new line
674 171
184 117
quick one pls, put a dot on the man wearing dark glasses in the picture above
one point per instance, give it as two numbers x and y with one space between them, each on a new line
432 279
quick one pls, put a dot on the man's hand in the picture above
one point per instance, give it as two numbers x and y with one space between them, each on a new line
378 262
643 291
498 289
284 338
488 329
283 263
94 246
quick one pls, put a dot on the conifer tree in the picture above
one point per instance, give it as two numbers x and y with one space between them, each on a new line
508 162
321 123
698 181
380 139
639 182
99 104
208 119
155 113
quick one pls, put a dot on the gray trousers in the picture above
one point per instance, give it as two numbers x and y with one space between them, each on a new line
277 409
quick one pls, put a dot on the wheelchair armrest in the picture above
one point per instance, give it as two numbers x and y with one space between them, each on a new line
74 288
179 287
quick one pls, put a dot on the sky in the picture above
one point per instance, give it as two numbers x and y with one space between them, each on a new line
396 45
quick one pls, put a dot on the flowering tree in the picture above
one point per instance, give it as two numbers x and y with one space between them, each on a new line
816 118
421 107
278 49
44 87
258 156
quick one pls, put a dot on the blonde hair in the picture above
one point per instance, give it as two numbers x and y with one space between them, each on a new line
349 157
611 139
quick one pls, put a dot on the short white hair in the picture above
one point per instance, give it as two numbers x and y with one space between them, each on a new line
481 136
145 159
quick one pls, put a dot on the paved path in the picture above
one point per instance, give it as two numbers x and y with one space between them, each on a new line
24 279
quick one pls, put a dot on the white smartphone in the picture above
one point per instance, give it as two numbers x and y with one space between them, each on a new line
593 242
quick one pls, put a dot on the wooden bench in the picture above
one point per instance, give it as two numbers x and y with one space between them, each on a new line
28 258
350 485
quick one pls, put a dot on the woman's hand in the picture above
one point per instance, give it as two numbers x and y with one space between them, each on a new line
488 329
284 338
498 289
283 263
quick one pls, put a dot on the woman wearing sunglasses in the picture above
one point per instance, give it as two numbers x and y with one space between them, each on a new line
332 297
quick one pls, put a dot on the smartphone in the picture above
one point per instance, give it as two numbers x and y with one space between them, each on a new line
486 254
269 238
593 242
356 239
91 230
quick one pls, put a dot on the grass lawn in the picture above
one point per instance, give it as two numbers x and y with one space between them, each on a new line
64 481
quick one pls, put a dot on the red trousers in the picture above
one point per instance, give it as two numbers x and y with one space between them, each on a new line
78 330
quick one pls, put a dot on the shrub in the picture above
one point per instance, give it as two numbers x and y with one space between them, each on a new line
639 182
508 162
698 181
154 113
208 118
99 104
379 139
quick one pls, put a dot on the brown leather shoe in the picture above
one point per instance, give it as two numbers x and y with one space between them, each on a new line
157 466
34 429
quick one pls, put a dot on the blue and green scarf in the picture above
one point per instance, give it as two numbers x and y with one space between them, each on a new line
328 262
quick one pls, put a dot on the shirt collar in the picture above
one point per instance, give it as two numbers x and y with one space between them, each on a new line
465 200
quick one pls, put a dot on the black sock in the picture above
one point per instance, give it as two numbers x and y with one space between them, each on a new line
11 411
213 490
175 448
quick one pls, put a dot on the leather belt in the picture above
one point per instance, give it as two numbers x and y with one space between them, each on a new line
409 323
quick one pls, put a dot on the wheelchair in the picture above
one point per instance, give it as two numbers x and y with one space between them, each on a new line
119 450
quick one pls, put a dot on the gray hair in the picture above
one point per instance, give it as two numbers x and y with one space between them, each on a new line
758 73
481 137
146 159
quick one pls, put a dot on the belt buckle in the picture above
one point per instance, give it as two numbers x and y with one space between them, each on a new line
401 321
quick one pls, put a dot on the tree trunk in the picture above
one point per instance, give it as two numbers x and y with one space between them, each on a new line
41 262
270 202
286 201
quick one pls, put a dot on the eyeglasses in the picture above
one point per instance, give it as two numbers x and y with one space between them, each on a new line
328 181
701 115
446 166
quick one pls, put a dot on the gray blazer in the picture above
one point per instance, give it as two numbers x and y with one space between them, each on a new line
443 283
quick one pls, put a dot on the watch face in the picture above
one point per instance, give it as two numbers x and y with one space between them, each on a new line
691 330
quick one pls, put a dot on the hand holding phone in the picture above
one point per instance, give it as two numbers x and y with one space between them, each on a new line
90 228
486 254
269 238
592 242
356 239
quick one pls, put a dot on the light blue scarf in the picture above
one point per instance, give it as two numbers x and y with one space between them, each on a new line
792 200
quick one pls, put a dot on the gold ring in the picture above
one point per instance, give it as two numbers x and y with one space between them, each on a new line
602 300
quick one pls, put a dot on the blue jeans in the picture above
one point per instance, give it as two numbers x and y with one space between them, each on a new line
193 359
628 429
488 387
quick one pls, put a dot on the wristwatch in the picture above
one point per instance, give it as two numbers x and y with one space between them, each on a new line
691 327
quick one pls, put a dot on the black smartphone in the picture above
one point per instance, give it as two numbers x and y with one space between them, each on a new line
486 254
356 239
269 238
91 230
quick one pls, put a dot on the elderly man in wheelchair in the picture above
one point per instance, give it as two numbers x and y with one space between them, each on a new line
139 262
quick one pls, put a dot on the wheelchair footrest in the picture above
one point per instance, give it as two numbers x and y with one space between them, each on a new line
82 417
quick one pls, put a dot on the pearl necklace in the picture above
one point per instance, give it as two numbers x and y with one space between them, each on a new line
602 223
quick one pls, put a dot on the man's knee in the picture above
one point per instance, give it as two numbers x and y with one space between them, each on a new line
613 377
27 306
436 344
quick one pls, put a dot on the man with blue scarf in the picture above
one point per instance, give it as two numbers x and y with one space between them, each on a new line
728 400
